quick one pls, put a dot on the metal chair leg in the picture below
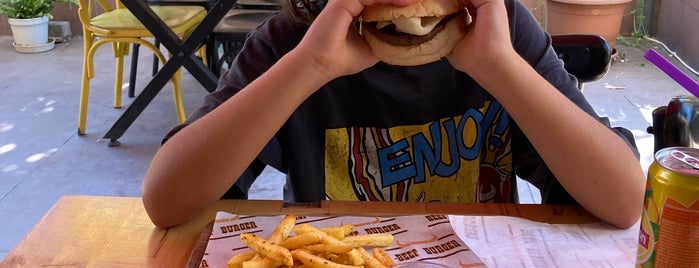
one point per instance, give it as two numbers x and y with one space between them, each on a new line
155 59
121 50
134 70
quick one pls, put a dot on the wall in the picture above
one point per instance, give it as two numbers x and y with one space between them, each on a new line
670 21
65 12
675 24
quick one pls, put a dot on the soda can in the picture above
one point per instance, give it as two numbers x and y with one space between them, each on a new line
669 232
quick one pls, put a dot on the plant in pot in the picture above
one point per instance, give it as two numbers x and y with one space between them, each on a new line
29 22
601 17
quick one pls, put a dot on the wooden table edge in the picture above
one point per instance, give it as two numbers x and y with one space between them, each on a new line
200 227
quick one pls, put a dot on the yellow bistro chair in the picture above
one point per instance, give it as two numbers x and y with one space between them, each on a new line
118 26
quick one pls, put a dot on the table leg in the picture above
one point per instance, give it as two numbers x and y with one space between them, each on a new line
183 55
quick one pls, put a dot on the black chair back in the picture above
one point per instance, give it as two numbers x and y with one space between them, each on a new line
585 56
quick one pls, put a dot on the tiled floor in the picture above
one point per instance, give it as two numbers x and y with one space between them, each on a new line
42 158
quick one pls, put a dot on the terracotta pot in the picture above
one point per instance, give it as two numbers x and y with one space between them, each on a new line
602 17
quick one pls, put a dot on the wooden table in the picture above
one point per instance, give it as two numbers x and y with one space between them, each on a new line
100 231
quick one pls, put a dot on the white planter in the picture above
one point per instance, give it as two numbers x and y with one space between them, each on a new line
31 35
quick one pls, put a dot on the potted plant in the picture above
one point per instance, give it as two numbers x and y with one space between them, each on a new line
28 20
601 17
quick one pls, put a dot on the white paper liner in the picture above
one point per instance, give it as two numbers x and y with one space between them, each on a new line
428 238
502 241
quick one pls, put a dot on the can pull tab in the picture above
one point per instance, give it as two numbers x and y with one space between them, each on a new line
685 158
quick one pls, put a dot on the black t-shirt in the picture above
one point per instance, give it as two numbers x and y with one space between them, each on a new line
427 133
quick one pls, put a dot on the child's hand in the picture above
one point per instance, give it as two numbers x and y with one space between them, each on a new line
487 38
333 42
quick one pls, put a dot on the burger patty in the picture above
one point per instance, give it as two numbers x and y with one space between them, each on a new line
393 37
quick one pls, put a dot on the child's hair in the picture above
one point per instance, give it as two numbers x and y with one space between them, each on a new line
303 11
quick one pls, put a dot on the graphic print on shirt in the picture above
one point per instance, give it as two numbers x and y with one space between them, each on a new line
465 158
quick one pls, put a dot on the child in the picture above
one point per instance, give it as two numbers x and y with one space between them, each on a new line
312 101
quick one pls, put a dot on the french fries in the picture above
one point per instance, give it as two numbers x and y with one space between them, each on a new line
369 260
369 240
267 249
301 240
383 257
237 260
338 248
314 261
283 229
313 247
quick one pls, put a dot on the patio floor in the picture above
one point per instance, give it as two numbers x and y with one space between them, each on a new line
42 157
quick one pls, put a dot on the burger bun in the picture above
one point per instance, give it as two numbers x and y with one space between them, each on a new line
431 50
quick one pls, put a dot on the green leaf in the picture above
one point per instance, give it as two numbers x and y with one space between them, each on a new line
27 9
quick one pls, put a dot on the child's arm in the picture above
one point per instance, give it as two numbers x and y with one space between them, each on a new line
198 164
591 162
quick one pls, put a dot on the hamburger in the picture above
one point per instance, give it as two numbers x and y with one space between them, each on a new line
420 33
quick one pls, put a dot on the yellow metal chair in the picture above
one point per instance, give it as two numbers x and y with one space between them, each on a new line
116 25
